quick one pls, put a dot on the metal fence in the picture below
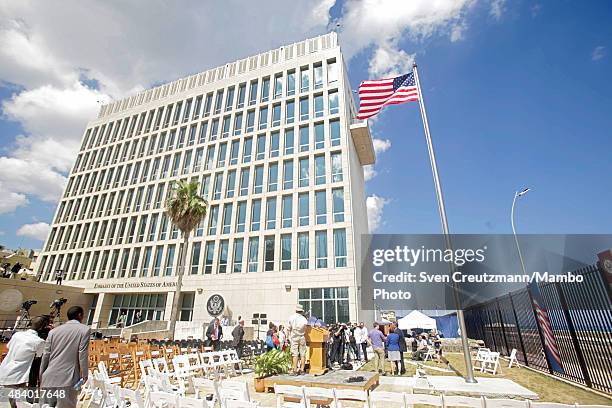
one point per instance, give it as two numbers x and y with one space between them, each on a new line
583 333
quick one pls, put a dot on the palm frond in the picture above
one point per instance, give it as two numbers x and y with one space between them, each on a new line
185 207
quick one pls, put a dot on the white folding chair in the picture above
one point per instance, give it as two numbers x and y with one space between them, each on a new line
481 355
229 394
235 360
314 396
102 396
505 403
380 399
240 386
206 389
103 371
491 363
351 395
162 400
513 359
183 372
161 365
461 401
430 353
186 402
289 391
129 399
423 399
241 404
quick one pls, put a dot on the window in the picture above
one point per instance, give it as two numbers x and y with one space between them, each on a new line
287 174
328 304
271 213
321 207
238 124
226 127
336 161
304 139
318 76
303 250
269 252
261 147
175 164
340 247
287 211
291 83
187 162
321 249
212 223
333 102
253 253
229 100
338 204
231 184
219 101
223 249
195 258
244 181
227 219
319 136
152 227
208 104
203 132
186 313
177 113
167 117
255 215
265 90
332 72
208 260
222 154
319 170
263 118
159 255
290 112
276 115
163 230
146 262
278 86
253 93
258 184
181 139
237 257
273 177
247 150
241 216
274 144
170 260
304 79
303 208
289 141
334 132
214 131
234 152
210 154
241 94
218 186
304 173
198 160
197 107
318 105
286 252
304 108
151 306
250 121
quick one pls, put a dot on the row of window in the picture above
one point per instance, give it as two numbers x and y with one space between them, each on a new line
221 219
284 252
225 100
225 185
194 160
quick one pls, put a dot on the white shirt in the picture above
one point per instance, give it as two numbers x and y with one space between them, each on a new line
361 335
297 325
22 348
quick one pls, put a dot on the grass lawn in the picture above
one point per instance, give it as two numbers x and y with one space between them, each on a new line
549 389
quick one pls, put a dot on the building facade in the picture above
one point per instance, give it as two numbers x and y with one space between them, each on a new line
272 142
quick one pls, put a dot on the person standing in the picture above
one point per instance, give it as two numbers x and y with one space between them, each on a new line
297 338
237 338
361 338
59 275
23 347
377 340
214 334
393 349
66 358
402 347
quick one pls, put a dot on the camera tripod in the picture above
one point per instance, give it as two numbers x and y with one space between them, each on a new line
23 321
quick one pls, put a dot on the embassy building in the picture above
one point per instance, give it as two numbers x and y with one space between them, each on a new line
273 142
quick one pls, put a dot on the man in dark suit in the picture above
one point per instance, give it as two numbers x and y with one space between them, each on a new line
238 336
66 358
214 334
403 349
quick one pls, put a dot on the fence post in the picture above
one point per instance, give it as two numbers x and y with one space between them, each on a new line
535 316
503 328
572 331
518 330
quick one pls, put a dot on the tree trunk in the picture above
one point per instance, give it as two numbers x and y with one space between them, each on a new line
179 284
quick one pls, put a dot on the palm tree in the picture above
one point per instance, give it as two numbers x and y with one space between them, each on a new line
186 209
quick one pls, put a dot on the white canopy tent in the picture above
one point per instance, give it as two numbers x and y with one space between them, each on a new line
416 320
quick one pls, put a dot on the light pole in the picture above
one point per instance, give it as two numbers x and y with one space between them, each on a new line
518 194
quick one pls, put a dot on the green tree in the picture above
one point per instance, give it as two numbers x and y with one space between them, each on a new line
185 208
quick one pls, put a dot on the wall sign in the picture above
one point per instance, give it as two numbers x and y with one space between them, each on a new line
215 305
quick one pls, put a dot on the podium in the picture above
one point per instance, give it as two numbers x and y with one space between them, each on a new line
316 338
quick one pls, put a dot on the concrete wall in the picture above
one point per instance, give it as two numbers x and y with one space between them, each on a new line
13 292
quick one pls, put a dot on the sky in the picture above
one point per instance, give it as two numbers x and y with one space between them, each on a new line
518 94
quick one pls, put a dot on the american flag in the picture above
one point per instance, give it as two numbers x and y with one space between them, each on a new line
550 344
374 94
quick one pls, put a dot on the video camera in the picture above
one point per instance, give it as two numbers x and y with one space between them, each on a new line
58 303
28 304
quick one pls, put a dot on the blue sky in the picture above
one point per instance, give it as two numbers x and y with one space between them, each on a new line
518 94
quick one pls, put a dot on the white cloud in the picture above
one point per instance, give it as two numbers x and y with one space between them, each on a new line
381 145
598 53
382 24
38 231
369 172
497 8
375 206
9 200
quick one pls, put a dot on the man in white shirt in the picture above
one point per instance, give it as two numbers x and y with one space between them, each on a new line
22 348
297 337
361 338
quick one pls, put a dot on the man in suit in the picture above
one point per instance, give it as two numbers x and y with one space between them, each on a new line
214 333
66 358
403 348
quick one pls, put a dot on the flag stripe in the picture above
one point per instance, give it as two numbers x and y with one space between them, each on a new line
375 94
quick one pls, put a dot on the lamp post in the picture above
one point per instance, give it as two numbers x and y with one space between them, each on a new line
518 194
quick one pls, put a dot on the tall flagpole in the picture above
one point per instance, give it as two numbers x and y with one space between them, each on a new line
434 169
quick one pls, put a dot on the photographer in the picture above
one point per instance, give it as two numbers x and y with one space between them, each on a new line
338 344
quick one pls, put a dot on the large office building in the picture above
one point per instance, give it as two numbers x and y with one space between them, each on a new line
273 143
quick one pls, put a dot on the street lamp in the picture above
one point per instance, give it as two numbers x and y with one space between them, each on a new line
518 194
